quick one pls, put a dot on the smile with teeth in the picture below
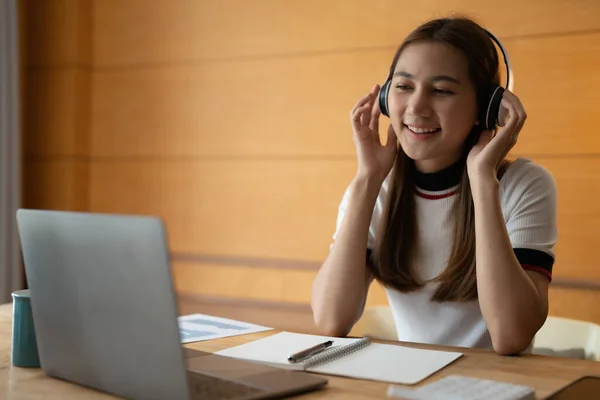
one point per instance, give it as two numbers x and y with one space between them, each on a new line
422 130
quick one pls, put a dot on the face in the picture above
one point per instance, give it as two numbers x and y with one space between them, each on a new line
432 104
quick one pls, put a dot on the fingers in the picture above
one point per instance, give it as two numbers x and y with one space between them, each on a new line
508 95
516 117
374 124
363 100
506 137
365 112
359 104
357 111
367 115
495 147
515 107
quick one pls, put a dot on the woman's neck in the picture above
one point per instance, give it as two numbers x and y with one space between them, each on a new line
441 179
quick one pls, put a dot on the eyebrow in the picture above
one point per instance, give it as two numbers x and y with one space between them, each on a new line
435 78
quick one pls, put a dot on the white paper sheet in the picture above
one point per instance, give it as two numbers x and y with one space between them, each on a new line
380 362
274 350
198 327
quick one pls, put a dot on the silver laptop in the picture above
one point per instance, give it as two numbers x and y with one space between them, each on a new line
105 314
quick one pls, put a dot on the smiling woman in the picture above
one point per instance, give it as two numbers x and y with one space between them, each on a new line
431 89
462 240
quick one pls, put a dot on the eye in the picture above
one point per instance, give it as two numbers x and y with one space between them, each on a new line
443 91
402 87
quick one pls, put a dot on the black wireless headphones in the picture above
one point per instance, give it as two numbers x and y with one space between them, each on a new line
489 109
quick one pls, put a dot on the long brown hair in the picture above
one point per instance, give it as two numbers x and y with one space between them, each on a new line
394 252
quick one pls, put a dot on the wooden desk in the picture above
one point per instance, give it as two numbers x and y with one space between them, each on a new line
546 374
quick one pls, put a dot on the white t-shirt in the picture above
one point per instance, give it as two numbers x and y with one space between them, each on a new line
528 200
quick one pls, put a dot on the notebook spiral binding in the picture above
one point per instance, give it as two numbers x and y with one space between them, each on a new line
336 353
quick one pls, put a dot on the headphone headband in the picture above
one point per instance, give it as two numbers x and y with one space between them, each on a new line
509 76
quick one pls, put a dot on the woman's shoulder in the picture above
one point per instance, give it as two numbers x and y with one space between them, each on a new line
524 171
524 179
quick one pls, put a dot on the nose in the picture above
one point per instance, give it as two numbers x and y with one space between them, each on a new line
419 104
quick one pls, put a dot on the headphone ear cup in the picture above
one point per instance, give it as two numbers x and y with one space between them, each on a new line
383 98
491 108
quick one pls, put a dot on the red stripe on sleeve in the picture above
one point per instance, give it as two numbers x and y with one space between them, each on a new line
537 269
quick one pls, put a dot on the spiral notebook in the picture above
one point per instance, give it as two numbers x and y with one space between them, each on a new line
353 358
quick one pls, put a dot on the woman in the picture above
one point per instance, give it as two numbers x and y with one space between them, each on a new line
462 240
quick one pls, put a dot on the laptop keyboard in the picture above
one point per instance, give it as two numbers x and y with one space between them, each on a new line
209 387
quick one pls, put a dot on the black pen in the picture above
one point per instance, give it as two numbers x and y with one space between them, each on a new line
311 351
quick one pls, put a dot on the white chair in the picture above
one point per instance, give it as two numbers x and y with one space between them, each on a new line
565 337
376 322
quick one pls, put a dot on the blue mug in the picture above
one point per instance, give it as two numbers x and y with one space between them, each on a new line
24 351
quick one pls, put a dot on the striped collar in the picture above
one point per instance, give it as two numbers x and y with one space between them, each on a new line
437 194
439 181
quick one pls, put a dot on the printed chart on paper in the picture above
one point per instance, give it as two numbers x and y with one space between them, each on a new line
197 327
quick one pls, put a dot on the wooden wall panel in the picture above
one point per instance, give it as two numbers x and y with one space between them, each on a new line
556 79
578 215
57 110
376 295
300 105
280 107
575 303
58 32
277 285
263 208
286 285
284 316
141 31
56 44
55 184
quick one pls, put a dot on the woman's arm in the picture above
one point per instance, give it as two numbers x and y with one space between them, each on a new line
514 302
341 285
340 288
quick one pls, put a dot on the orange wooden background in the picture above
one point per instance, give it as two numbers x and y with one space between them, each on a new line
229 119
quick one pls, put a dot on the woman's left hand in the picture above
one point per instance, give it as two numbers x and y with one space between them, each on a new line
485 157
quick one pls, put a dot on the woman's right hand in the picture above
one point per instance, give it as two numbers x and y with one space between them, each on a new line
374 159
